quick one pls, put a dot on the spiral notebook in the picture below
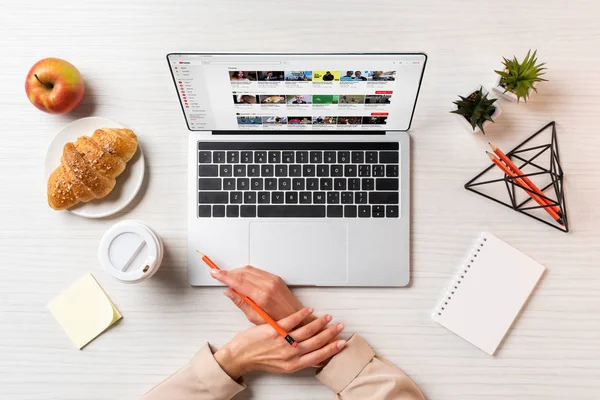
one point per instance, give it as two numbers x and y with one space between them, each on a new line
489 291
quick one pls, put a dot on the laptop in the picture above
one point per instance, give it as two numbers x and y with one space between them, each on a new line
299 163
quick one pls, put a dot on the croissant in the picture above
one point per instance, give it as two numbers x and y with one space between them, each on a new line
89 166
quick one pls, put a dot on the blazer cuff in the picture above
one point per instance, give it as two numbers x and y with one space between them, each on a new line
346 365
211 375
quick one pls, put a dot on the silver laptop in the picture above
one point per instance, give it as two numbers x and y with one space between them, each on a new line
299 164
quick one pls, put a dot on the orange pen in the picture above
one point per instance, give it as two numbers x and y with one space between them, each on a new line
254 306
528 181
520 181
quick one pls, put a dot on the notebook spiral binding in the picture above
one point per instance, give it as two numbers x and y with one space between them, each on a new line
461 275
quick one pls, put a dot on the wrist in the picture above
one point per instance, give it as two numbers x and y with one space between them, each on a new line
230 362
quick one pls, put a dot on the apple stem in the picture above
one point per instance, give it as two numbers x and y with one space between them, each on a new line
48 85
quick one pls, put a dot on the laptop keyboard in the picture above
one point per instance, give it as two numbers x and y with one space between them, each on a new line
298 180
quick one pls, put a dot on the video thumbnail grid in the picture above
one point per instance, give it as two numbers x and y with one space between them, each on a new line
295 99
347 76
310 120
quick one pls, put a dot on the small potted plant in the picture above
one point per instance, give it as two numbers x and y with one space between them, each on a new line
476 110
518 79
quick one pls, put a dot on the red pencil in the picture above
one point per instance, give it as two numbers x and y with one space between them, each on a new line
255 306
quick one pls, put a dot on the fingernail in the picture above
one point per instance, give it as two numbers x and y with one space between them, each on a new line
310 310
328 318
229 294
215 272
341 344
340 327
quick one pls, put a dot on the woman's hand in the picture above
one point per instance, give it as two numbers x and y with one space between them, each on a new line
267 290
261 348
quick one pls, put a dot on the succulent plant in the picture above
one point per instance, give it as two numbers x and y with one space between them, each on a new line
476 108
519 78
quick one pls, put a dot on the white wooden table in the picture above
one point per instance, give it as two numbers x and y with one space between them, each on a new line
120 46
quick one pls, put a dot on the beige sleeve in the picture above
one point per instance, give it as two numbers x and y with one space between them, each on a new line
358 373
202 379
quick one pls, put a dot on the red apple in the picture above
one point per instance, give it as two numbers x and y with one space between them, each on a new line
54 86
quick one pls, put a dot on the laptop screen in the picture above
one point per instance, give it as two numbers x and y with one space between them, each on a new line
297 92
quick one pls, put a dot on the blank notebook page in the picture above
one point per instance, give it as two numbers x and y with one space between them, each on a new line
488 292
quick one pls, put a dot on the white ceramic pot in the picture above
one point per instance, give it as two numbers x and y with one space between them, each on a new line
499 90
463 121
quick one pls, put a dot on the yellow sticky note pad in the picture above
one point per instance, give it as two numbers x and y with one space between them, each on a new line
84 311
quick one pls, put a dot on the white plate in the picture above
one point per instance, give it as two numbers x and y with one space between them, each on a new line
128 183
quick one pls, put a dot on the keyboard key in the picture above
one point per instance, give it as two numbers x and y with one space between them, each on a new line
270 183
249 197
337 170
371 157
233 157
277 198
285 184
335 211
350 170
229 184
298 184
225 170
264 198
312 184
302 157
391 211
218 211
368 184
354 184
247 157
235 197
233 211
260 157
204 157
291 211
347 197
219 157
253 170
383 198
323 170
364 211
391 170
343 157
388 157
256 184
243 184
326 184
358 157
305 197
274 157
360 197
239 170
213 197
364 170
287 157
319 197
295 170
266 170
350 211
339 184
333 197
291 197
204 211
248 211
208 170
308 170
329 157
378 211
316 157
378 171
209 184
386 184
281 170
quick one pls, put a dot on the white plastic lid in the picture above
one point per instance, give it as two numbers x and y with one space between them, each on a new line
130 252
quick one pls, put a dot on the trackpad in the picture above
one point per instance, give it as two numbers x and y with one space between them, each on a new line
302 253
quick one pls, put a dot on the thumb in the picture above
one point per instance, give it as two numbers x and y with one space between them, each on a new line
245 307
